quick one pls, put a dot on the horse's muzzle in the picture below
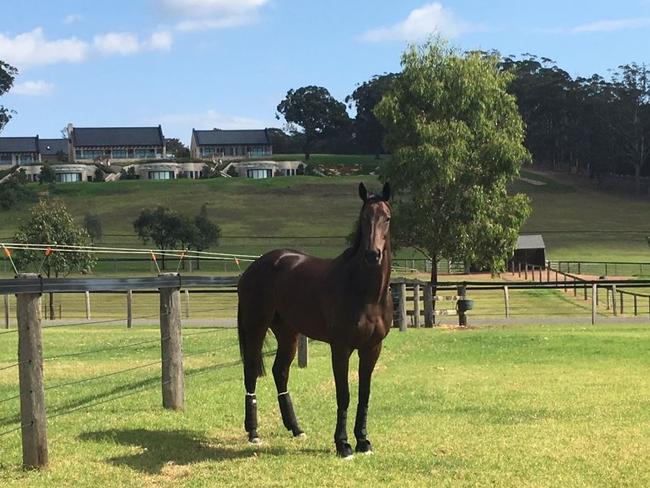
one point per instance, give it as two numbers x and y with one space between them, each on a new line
372 257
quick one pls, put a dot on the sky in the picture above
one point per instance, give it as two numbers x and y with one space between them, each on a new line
228 63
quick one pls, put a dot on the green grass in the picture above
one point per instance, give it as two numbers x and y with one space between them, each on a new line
515 406
312 214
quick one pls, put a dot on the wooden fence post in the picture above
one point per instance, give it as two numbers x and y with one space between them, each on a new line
519 269
129 309
6 303
506 299
187 303
30 373
548 274
87 305
526 272
621 300
636 310
585 289
403 324
462 317
594 302
614 300
171 347
303 351
429 318
416 306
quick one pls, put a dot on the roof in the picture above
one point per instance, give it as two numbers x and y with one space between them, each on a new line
533 241
51 147
219 136
18 145
117 136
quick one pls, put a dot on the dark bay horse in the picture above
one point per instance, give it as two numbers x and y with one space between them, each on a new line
343 301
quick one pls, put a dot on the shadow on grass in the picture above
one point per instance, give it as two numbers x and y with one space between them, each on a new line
177 447
159 448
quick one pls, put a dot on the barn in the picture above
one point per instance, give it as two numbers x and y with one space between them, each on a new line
530 250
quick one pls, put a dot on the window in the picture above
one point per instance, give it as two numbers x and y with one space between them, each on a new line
5 158
207 151
120 154
145 153
258 174
68 177
88 153
26 158
161 175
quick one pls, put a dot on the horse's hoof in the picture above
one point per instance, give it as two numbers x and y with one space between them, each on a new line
253 439
363 447
300 435
344 450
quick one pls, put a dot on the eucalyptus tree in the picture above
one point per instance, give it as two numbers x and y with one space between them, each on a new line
457 140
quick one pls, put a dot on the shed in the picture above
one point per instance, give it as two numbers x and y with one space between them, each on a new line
530 250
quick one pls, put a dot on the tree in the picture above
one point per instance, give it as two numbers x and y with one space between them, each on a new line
159 226
369 131
207 232
51 223
177 148
13 190
47 174
93 226
457 141
631 116
316 111
7 75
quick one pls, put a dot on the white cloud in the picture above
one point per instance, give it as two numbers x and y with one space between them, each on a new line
613 25
422 22
32 48
181 124
212 14
117 43
32 88
72 18
160 41
126 43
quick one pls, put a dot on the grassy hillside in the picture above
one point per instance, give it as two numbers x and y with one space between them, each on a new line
301 212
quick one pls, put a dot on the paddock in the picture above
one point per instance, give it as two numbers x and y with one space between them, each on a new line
520 405
541 398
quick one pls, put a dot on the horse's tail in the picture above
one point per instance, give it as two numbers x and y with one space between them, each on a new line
248 357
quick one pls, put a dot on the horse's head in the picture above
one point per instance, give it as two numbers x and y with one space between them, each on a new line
374 224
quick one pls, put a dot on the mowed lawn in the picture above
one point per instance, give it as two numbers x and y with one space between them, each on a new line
557 405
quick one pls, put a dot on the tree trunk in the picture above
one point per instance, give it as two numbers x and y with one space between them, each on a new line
434 284
52 317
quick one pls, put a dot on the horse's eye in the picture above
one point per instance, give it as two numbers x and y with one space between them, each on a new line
387 219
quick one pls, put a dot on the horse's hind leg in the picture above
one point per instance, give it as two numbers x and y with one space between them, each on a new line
252 331
287 344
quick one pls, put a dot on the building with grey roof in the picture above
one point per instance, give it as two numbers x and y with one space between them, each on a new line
18 150
530 250
218 144
118 144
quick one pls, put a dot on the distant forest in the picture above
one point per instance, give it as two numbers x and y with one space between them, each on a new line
596 125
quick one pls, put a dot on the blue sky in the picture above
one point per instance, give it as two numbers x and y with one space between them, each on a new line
228 63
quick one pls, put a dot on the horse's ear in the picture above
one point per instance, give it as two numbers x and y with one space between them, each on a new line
385 194
363 192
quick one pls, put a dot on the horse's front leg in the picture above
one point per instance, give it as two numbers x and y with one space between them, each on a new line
367 360
340 365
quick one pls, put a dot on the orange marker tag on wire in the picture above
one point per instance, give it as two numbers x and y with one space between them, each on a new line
155 260
237 263
48 251
7 252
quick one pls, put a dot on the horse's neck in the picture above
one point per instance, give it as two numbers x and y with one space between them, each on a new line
371 282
